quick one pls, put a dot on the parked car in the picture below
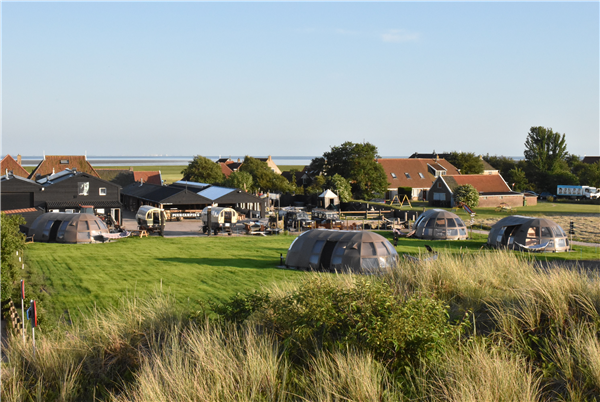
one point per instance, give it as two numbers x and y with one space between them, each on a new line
545 194
531 193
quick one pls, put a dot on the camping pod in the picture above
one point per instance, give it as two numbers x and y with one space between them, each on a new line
63 227
334 250
528 233
439 224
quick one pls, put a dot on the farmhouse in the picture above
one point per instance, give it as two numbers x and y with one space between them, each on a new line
52 164
66 191
415 174
492 189
12 166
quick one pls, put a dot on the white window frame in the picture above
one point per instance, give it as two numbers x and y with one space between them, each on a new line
102 191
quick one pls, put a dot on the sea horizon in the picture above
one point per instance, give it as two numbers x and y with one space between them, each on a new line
181 160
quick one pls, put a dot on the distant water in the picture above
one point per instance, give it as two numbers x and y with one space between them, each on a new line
181 160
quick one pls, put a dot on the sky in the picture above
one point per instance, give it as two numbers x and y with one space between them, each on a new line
204 78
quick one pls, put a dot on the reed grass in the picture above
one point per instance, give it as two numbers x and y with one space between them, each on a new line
535 337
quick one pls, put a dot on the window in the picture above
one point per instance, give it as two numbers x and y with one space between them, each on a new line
70 211
102 190
64 161
84 188
100 210
407 175
439 184
393 175
421 175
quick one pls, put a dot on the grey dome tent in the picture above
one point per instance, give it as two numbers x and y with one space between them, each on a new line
62 227
528 233
439 224
331 250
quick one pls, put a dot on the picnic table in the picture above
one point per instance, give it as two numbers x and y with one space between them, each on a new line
140 232
504 207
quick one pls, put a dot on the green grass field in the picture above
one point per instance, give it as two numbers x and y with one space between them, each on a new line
78 277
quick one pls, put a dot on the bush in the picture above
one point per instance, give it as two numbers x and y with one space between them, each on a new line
365 314
467 194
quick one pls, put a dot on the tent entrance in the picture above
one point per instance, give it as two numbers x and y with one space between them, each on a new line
54 231
509 231
326 254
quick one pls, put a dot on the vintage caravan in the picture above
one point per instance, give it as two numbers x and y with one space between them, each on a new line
221 219
151 218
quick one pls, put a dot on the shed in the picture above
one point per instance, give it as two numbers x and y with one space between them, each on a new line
328 198
63 227
520 232
438 224
334 250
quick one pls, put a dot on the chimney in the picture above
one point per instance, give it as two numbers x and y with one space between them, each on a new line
19 159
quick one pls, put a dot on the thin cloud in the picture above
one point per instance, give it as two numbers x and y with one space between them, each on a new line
399 35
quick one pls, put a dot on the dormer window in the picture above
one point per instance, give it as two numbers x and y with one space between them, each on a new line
393 175
407 175
64 161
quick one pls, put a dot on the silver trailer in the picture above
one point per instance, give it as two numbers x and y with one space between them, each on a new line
222 219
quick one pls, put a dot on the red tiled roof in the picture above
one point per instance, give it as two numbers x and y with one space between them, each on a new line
148 177
484 183
413 166
10 164
225 169
58 163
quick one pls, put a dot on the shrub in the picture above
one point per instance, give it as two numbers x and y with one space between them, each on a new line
466 194
323 313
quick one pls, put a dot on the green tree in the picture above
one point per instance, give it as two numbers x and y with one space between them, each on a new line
467 162
203 170
317 186
544 149
263 178
517 179
341 187
466 194
356 163
588 174
241 180
12 241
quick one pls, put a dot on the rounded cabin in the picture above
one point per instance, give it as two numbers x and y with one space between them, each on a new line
222 219
63 227
439 224
528 233
334 250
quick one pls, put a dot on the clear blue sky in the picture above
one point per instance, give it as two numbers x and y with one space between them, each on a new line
296 78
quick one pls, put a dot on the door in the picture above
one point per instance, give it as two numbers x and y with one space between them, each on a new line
326 254
54 231
116 214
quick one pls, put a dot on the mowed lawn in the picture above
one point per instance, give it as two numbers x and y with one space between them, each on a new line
81 276
76 277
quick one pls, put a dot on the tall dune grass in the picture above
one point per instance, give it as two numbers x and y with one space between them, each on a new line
541 342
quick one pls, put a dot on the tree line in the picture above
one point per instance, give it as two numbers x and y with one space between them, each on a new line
351 169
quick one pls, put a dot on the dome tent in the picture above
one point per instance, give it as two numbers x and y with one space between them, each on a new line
521 232
438 224
62 227
331 250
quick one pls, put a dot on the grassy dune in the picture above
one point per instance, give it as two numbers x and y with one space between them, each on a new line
532 336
